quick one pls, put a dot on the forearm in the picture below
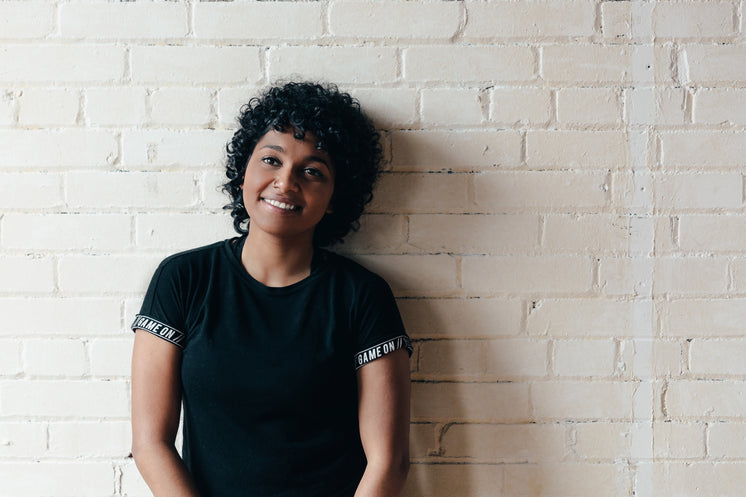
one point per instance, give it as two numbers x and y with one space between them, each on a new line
164 471
385 479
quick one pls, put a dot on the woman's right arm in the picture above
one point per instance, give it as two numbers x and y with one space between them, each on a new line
156 404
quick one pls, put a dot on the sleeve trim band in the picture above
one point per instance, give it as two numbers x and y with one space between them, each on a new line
159 329
386 347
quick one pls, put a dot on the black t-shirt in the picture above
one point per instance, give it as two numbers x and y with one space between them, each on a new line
268 374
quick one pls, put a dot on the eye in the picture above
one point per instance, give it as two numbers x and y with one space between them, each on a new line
312 171
272 161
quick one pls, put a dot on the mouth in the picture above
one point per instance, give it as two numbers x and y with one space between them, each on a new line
281 205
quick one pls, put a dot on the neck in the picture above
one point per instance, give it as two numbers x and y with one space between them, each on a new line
276 262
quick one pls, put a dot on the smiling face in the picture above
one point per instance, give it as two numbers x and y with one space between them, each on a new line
287 187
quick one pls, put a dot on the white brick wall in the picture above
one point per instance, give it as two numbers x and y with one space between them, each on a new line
562 219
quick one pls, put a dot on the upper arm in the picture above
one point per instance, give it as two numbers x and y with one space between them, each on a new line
156 389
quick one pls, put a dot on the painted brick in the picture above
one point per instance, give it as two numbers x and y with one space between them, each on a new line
451 107
419 275
520 105
587 233
181 106
448 480
581 317
132 483
393 107
572 149
712 233
465 64
666 233
693 19
423 439
191 148
586 63
704 317
81 399
63 479
26 274
690 276
111 357
256 20
195 64
342 64
502 234
210 184
566 480
582 400
461 318
668 358
66 231
48 106
57 148
8 106
504 443
702 149
588 106
700 479
713 63
718 357
738 275
421 193
529 275
118 106
504 358
670 106
106 274
584 357
106 20
10 360
61 63
526 189
230 101
181 231
86 439
22 439
59 316
616 276
720 106
455 151
616 19
703 399
475 402
26 19
599 441
58 357
679 441
530 19
107 190
378 233
392 19
698 190
727 441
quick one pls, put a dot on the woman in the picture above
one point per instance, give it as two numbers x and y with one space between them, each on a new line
291 362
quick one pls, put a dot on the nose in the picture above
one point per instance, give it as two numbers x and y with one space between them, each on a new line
285 180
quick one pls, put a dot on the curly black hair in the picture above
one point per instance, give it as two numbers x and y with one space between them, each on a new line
340 128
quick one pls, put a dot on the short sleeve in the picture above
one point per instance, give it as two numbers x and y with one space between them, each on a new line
380 327
162 311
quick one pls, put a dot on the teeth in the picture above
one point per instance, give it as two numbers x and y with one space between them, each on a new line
281 205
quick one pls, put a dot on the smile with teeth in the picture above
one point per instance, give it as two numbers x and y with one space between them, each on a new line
281 205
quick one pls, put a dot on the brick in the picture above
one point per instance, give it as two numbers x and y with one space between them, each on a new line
186 106
584 358
181 231
704 317
118 106
727 441
256 20
502 234
527 189
690 276
26 274
588 106
700 479
581 317
106 274
61 63
693 19
720 106
738 275
702 399
666 233
111 357
210 184
8 106
423 439
84 439
566 480
504 358
520 105
48 106
106 190
26 19
599 441
66 231
582 400
58 357
451 107
717 233
668 358
449 480
195 64
10 361
59 316
132 483
678 441
59 478
587 233
391 19
698 190
469 64
394 107
528 275
573 149
670 106
586 63
421 193
718 357
616 19
83 399
343 64
230 101
504 443
461 318
475 402
616 276
190 148
419 275
455 151
22 439
58 148
713 63
106 20
702 149
378 233
531 19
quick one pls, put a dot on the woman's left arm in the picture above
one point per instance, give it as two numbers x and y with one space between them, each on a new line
383 411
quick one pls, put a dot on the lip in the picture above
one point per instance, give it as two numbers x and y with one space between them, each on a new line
284 200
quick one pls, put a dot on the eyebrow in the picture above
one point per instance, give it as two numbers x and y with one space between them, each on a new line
310 157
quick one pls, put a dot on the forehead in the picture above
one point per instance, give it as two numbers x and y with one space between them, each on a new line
289 143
